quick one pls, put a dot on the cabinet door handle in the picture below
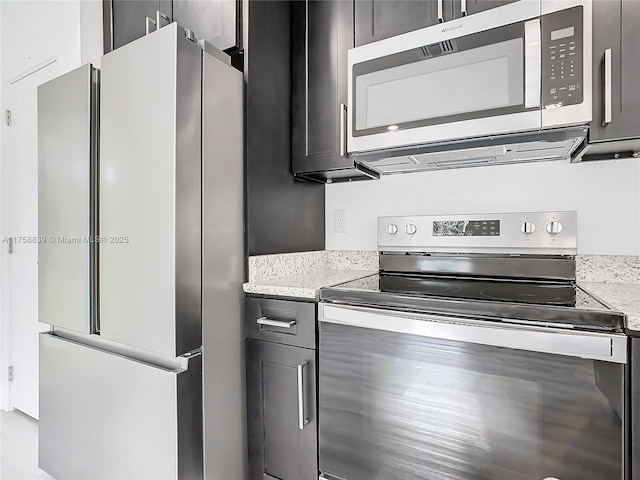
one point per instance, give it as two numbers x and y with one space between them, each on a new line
607 87
159 18
275 323
463 7
149 23
343 130
302 418
440 12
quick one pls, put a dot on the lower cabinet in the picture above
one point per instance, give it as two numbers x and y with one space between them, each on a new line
281 411
282 423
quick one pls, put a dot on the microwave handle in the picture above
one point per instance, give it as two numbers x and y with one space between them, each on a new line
343 130
440 12
606 119
532 64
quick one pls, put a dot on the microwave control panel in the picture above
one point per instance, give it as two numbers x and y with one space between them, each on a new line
562 58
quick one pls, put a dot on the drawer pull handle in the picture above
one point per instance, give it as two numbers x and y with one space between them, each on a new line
275 323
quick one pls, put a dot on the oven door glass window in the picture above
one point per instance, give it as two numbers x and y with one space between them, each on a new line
404 407
472 77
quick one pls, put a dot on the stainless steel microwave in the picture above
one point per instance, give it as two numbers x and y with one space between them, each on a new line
521 67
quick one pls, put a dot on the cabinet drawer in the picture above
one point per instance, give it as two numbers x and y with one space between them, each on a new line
281 321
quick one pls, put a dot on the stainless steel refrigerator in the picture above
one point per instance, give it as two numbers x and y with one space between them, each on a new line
141 265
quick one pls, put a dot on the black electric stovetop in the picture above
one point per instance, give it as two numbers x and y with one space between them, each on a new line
561 304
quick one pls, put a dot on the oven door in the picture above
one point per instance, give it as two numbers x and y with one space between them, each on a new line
475 76
408 396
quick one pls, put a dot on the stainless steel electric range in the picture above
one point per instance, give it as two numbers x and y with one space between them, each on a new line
472 355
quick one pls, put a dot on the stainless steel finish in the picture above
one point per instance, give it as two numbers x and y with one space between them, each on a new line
580 113
410 229
463 7
367 149
343 130
143 431
67 169
506 149
149 24
607 87
440 12
223 270
303 420
596 346
519 266
392 229
528 228
554 228
509 241
275 323
532 63
150 269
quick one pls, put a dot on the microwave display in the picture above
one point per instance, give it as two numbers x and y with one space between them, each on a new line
562 58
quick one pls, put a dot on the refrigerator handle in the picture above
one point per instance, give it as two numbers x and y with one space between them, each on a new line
160 17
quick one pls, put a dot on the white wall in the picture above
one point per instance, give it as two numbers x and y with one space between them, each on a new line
39 40
605 194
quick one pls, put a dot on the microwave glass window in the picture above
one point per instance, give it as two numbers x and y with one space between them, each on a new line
474 80
562 33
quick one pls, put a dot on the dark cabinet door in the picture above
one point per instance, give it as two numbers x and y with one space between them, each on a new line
126 20
616 72
322 32
462 8
281 398
635 408
378 19
216 21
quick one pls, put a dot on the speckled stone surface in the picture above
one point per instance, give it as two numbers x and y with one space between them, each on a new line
608 268
353 259
304 274
267 267
624 297
306 285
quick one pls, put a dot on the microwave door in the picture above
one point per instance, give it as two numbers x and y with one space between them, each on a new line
480 83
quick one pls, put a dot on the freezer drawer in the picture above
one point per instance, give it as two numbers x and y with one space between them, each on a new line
67 123
105 416
150 193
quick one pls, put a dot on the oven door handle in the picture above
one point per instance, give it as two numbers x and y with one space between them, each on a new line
608 347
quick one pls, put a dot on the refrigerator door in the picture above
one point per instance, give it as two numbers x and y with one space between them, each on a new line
105 416
67 169
150 193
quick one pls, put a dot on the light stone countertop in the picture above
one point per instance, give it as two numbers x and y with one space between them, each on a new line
306 285
624 297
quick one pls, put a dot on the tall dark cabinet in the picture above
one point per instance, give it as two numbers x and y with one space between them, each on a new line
282 214
322 32
615 129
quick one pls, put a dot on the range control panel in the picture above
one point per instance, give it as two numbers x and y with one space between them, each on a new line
562 58
518 233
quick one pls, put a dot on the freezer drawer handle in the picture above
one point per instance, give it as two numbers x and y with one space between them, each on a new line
302 418
275 323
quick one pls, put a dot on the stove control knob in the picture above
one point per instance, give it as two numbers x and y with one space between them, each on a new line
392 229
528 228
554 227
411 229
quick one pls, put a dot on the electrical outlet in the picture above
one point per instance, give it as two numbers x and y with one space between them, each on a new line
340 221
